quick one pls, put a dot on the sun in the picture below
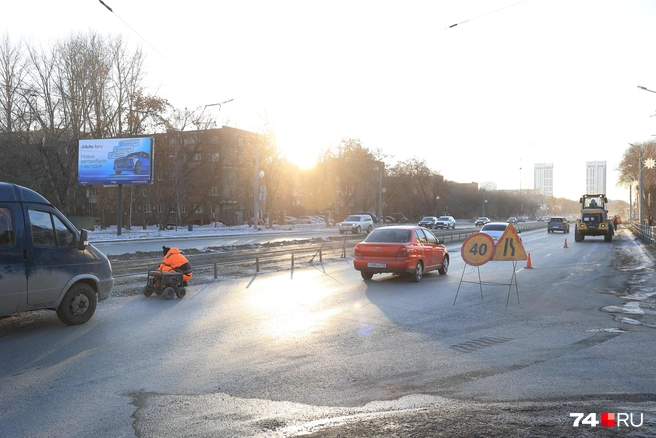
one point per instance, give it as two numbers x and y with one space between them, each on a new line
298 147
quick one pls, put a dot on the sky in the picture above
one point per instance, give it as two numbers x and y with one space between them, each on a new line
512 84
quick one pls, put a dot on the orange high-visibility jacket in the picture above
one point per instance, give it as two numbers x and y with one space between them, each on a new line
176 262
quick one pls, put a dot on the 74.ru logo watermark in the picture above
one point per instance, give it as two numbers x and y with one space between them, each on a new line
607 419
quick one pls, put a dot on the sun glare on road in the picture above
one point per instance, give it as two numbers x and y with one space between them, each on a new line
288 312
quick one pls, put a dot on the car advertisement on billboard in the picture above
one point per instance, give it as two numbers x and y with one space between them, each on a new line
116 161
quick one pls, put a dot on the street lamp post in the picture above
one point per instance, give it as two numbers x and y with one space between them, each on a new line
380 190
630 202
650 166
259 192
255 187
640 180
520 180
641 192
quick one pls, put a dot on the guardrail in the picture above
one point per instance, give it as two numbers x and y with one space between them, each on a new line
456 236
644 232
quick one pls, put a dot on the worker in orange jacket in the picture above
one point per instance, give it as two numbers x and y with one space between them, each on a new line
175 262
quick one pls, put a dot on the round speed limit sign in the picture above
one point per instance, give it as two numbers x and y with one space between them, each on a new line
478 249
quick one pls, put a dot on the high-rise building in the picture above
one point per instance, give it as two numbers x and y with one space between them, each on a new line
595 177
543 178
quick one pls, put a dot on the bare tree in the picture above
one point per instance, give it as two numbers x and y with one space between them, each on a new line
14 112
355 170
637 156
277 170
12 78
85 86
416 190
49 149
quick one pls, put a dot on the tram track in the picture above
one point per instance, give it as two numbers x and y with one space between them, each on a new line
250 258
234 260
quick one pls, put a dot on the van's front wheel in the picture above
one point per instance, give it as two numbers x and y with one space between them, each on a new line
78 305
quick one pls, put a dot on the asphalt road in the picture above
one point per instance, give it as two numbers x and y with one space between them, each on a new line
320 352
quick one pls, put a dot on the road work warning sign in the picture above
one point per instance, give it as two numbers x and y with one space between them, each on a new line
509 247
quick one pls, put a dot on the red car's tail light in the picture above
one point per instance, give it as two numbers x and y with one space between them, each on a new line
357 251
402 252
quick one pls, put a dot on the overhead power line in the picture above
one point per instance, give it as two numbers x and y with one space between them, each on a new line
484 15
105 5
139 35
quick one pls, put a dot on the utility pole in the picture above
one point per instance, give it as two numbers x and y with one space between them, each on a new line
380 190
640 191
255 187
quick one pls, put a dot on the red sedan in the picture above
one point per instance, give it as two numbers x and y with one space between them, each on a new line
401 249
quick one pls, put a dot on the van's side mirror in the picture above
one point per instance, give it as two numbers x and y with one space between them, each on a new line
84 240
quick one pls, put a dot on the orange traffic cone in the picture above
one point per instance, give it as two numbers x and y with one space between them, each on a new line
529 263
565 246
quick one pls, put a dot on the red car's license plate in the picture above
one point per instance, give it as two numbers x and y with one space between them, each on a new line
376 265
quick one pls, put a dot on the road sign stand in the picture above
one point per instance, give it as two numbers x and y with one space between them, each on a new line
514 276
480 282
479 248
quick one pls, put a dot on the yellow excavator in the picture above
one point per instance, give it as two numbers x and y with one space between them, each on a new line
594 220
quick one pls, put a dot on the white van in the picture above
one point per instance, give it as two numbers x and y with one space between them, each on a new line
45 262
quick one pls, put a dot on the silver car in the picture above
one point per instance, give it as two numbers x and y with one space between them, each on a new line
446 222
356 223
496 229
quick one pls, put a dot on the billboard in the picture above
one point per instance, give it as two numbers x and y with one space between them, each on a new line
116 161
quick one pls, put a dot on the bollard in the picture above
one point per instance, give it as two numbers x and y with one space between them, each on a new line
215 272
320 256
292 260
257 264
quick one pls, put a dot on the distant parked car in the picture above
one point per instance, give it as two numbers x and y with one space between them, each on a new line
374 218
400 218
481 221
512 220
251 221
326 220
305 220
428 222
401 249
389 220
356 223
135 162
